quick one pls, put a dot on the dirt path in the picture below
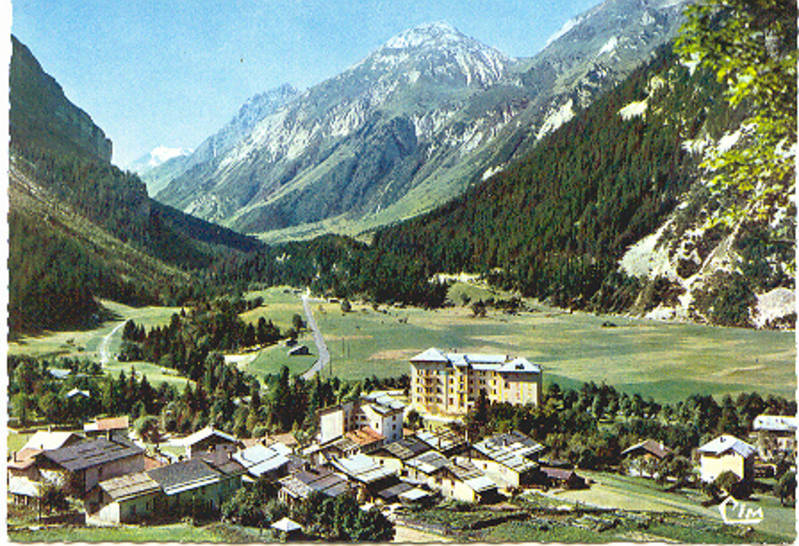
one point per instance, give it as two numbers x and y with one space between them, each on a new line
321 346
409 535
104 348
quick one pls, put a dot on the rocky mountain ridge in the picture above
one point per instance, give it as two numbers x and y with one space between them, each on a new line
413 124
42 114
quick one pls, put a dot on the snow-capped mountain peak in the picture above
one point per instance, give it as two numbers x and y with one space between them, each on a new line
438 33
162 154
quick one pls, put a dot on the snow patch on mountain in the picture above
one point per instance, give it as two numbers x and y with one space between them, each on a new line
556 118
609 46
567 26
634 109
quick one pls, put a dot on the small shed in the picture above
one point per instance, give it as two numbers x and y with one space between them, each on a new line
287 527
299 350
24 491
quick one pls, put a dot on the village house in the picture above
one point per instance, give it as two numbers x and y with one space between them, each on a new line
509 459
301 483
564 478
425 468
322 454
261 461
82 465
382 416
643 455
125 499
208 440
403 492
463 481
446 442
451 382
394 455
196 482
102 427
726 453
365 475
775 434
23 462
23 491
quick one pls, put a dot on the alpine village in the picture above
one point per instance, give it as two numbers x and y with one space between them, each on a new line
444 296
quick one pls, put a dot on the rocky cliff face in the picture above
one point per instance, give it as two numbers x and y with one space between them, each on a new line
413 124
740 272
40 113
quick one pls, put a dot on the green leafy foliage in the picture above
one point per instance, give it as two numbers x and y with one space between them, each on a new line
750 45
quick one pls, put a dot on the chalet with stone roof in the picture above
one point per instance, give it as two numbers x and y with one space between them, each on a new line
83 465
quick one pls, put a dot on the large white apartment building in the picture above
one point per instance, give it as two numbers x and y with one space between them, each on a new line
451 382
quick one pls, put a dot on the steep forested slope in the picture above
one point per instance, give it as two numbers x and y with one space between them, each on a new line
555 223
80 227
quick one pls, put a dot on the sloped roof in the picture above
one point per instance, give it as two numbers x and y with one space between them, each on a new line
205 433
558 473
429 462
430 355
184 475
259 460
479 361
406 448
24 458
775 423
108 423
384 399
20 485
650 446
727 442
511 449
286 438
394 491
442 440
59 373
414 494
519 365
286 525
129 486
361 468
364 436
481 484
76 392
43 439
325 481
90 453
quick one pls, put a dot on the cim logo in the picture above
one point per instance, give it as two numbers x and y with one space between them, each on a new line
738 513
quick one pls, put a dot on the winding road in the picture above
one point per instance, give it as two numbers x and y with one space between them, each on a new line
104 348
321 346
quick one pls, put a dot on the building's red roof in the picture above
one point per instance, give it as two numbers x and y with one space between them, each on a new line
364 436
111 423
653 447
24 458
150 463
249 442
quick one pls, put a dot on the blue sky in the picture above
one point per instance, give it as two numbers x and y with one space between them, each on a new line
172 73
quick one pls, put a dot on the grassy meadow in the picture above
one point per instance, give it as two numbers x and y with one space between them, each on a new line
177 532
631 493
667 361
